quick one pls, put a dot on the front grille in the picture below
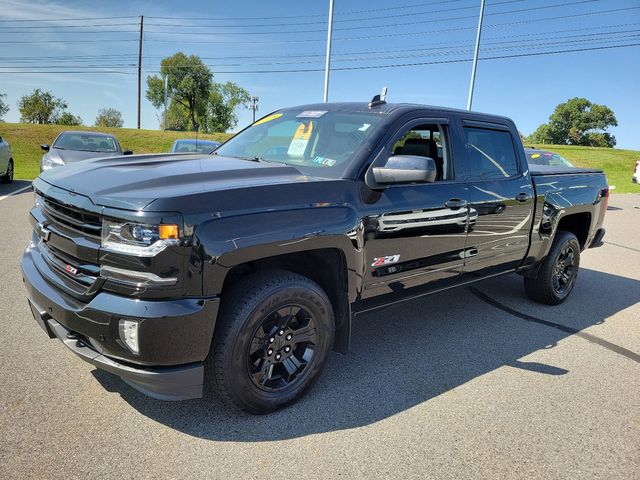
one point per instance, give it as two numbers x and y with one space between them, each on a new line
81 221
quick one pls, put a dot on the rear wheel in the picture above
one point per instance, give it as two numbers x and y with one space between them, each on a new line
8 176
558 273
274 333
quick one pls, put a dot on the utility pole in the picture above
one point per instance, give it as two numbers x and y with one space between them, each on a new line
166 91
140 67
254 107
475 57
327 63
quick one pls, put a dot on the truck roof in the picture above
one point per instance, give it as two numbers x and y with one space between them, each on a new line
389 108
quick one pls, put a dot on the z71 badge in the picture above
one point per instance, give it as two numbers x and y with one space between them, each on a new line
388 260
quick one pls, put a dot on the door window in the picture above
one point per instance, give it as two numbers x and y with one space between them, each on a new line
491 154
426 141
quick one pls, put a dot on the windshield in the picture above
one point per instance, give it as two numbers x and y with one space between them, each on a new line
190 146
316 142
86 142
548 158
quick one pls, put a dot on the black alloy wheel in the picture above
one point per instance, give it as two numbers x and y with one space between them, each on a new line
273 335
282 347
557 275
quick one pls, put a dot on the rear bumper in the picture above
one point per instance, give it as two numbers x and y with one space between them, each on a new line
175 335
598 238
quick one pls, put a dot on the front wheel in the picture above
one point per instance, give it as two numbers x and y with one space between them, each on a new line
558 273
8 176
274 333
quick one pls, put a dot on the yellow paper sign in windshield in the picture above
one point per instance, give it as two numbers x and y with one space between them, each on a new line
268 118
303 132
300 140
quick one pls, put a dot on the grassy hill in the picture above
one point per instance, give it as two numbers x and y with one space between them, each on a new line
25 140
617 164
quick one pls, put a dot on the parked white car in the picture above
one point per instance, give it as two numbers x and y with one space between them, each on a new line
6 162
636 172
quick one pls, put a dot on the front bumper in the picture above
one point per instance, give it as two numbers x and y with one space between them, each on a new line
175 335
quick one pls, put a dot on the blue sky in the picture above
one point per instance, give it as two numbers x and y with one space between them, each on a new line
290 35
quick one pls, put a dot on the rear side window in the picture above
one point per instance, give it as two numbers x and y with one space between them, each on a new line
491 154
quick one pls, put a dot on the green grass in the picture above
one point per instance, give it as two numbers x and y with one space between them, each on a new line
25 141
617 164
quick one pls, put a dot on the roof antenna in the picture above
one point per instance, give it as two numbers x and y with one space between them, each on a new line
380 99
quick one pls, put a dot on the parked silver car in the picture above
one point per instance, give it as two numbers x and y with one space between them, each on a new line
6 162
71 146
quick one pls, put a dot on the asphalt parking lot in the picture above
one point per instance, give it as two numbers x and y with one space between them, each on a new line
472 383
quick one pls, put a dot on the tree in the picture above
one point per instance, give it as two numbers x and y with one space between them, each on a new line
189 81
40 107
66 118
109 117
4 108
578 122
224 98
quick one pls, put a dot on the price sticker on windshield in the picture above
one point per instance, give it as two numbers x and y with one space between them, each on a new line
300 140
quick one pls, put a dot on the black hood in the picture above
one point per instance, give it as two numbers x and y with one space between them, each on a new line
133 182
72 156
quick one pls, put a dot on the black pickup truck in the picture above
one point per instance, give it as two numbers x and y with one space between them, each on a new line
245 267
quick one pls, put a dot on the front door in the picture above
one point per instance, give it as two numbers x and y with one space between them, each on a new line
415 234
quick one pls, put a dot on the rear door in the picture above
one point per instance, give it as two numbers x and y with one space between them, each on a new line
415 234
501 198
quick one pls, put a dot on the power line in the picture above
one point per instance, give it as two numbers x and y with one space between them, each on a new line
56 20
385 17
365 67
387 25
403 34
280 17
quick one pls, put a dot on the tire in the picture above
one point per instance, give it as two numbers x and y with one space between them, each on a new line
8 176
558 273
256 363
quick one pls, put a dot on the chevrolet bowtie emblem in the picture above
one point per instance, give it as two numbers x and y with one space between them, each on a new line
44 232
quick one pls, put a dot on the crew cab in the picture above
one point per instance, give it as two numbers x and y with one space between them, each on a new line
246 267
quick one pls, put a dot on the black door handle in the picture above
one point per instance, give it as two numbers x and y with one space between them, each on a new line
455 203
522 197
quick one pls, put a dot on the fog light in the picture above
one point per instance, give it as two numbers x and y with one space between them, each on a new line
129 334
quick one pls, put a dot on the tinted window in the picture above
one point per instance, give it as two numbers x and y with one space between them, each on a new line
491 154
86 142
314 141
425 141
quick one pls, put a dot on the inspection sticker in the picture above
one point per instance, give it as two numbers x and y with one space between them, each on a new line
311 114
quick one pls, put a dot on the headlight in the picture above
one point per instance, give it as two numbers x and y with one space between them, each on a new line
48 162
37 199
138 239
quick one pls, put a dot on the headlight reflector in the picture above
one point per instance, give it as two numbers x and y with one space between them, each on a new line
137 238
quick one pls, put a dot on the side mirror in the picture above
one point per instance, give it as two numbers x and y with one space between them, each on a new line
128 152
406 169
45 147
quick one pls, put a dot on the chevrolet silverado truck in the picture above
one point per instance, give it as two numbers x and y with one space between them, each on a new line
245 267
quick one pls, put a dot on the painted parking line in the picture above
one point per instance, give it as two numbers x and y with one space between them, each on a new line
20 190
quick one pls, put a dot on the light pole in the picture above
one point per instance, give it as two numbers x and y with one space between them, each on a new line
254 107
327 63
475 57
